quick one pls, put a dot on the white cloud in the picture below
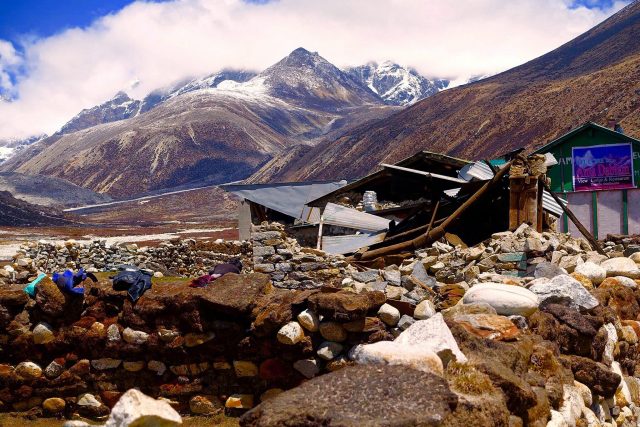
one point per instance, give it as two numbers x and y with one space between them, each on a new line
159 43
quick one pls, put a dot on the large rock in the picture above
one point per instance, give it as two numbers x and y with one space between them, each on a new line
419 357
621 266
594 375
137 409
345 306
490 326
505 299
592 271
363 396
235 294
49 298
563 289
433 334
618 297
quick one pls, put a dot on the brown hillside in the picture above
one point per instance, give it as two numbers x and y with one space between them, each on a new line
594 75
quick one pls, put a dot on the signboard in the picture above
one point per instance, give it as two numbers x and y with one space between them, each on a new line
602 167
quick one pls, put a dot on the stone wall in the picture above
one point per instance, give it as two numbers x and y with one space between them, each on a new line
230 342
175 257
291 266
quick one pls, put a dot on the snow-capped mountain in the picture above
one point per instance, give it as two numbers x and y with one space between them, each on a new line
209 82
117 108
395 84
208 130
9 147
307 78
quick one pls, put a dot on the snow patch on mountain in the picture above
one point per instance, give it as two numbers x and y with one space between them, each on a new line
395 84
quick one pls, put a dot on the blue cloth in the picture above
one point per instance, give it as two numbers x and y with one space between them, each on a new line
68 281
30 289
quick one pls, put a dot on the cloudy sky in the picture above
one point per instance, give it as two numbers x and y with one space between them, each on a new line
58 57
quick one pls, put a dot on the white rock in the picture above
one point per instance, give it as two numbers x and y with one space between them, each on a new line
587 396
291 333
591 418
329 350
43 333
557 420
563 288
307 367
137 409
610 343
309 320
419 357
572 404
626 281
134 337
621 266
389 314
424 310
623 388
635 257
592 271
113 333
507 300
76 423
88 399
432 333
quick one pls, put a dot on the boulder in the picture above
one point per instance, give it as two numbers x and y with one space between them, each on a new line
594 375
333 331
505 299
134 337
43 333
345 306
424 310
360 396
595 273
490 326
433 334
563 289
419 357
137 409
548 270
291 333
621 266
204 405
50 299
54 405
389 314
309 320
329 350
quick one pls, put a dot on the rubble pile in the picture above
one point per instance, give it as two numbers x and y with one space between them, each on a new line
526 328
291 266
176 257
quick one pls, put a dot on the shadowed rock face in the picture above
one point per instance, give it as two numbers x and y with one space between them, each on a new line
18 213
360 396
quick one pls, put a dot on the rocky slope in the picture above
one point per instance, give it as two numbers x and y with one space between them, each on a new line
594 75
18 213
395 84
48 191
209 135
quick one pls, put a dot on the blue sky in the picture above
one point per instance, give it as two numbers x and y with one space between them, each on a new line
60 56
43 18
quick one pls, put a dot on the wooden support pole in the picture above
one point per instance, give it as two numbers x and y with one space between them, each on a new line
575 220
433 216
440 230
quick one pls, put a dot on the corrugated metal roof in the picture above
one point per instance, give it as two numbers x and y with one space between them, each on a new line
287 198
343 216
549 204
478 170
350 243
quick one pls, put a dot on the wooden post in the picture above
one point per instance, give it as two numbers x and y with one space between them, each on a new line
575 220
523 202
319 244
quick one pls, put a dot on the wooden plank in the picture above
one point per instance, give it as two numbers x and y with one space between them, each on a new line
244 220
343 216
